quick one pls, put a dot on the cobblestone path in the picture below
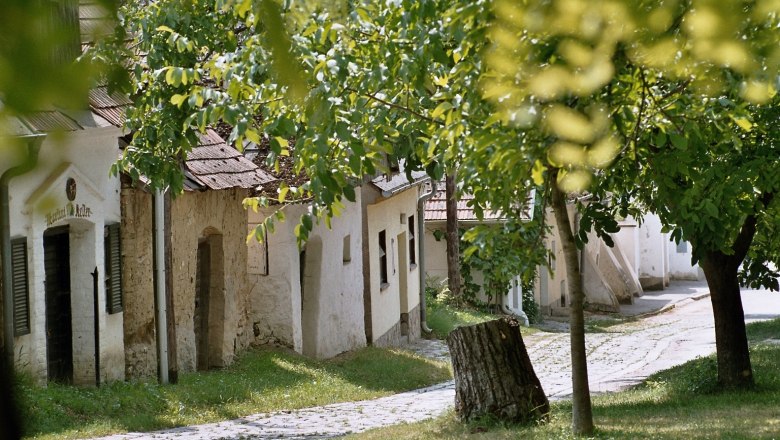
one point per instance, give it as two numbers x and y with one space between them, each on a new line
621 356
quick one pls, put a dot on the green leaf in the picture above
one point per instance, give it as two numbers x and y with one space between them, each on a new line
660 139
537 173
678 141
307 222
283 190
440 109
178 100
743 123
349 193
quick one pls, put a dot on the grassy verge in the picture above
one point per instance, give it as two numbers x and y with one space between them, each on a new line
682 402
443 318
259 381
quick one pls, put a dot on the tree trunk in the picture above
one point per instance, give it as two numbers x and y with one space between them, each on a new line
493 374
734 369
582 414
452 237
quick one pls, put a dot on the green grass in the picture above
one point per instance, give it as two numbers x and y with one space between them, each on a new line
443 318
679 403
259 381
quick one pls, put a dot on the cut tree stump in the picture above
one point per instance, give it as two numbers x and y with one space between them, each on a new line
493 374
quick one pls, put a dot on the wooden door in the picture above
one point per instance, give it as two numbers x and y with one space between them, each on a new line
59 333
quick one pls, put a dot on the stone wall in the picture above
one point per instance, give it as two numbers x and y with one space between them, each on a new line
194 216
138 284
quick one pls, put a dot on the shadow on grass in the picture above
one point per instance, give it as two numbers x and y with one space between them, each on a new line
261 380
686 402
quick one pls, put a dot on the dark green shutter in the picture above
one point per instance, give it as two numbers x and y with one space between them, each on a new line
19 286
113 269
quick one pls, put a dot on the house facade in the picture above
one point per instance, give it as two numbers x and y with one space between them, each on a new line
391 278
309 299
67 309
642 259
436 247
210 287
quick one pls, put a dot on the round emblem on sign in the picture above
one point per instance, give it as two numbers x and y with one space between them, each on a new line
70 189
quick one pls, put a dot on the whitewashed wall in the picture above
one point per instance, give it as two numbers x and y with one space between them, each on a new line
386 301
85 156
329 321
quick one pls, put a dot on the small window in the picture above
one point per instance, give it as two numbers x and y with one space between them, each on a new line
382 258
682 247
346 252
113 268
552 257
412 244
563 293
19 286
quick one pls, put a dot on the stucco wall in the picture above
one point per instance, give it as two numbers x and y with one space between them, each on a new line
680 267
329 320
138 284
435 253
37 202
653 270
628 241
386 301
599 293
550 287
194 216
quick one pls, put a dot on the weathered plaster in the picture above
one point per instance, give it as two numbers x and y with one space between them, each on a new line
194 216
329 319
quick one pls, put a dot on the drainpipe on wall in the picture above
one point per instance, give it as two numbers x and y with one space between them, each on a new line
421 260
33 147
159 286
96 324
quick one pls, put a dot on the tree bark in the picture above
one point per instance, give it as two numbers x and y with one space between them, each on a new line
582 414
734 368
493 374
452 237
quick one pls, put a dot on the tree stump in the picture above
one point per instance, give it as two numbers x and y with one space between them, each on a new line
493 374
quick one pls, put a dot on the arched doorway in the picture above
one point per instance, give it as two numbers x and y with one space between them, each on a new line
208 314
311 271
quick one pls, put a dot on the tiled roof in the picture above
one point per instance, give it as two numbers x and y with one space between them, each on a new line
398 181
50 120
216 165
212 164
109 106
94 20
436 209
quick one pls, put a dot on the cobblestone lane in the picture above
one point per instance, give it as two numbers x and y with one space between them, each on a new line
620 356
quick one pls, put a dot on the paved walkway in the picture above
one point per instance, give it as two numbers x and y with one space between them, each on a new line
622 356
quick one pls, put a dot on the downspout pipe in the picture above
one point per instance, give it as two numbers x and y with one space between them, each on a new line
159 286
421 257
33 147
